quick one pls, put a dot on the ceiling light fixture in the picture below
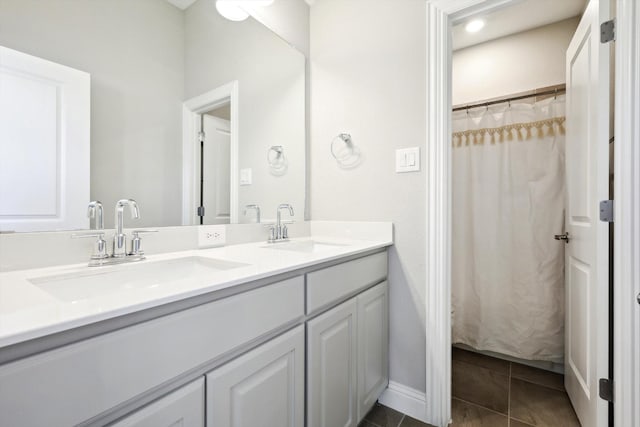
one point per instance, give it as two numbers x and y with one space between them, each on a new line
236 10
231 10
474 26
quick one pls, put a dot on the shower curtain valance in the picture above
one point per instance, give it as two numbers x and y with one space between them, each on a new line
522 132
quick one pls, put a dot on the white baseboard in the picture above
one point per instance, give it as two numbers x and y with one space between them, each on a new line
405 399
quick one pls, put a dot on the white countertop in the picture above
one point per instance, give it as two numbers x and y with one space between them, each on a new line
27 311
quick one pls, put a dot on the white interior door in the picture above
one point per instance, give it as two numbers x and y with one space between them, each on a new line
44 144
586 256
217 173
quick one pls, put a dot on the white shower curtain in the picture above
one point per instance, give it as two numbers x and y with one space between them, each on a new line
508 202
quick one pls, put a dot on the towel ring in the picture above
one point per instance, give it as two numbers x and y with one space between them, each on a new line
344 151
277 160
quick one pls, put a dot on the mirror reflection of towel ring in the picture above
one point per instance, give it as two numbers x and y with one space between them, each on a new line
277 161
346 153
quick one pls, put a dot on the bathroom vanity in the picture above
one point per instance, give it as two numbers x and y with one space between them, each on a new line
242 335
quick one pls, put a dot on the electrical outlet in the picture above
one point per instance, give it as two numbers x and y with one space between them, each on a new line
210 236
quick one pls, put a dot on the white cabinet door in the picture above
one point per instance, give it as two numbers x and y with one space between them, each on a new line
264 387
373 344
331 369
181 408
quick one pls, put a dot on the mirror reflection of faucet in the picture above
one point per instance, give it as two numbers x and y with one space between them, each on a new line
119 254
96 215
256 208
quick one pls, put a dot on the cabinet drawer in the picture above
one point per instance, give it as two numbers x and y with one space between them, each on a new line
332 283
71 384
183 407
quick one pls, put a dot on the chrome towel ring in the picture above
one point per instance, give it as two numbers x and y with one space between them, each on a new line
277 161
346 153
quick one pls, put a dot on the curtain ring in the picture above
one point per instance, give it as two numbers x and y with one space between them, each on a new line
555 96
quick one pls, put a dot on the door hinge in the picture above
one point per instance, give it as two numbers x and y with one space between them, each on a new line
606 211
605 389
201 136
608 31
200 210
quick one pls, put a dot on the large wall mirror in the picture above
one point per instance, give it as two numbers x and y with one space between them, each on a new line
185 109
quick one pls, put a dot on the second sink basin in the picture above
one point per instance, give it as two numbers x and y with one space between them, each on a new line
305 246
100 281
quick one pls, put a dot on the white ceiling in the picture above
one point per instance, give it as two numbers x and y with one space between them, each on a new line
182 4
522 16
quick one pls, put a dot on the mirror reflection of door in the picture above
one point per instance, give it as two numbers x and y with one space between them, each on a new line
215 171
44 144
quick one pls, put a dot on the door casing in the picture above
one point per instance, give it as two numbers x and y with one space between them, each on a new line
191 111
441 14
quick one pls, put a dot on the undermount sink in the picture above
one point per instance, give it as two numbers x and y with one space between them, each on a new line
98 282
306 246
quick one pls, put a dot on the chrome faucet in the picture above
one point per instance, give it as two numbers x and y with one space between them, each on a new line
120 239
279 232
120 254
257 209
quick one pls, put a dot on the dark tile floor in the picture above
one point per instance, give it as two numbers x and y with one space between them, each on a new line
381 416
489 392
493 392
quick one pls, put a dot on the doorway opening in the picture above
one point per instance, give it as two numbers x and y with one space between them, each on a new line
522 313
210 157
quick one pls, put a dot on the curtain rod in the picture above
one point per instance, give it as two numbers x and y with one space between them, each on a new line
511 98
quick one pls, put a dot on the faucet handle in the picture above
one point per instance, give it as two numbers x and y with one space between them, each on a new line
99 247
86 235
136 242
273 234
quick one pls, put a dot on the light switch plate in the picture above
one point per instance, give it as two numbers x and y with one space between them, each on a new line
210 236
246 176
408 160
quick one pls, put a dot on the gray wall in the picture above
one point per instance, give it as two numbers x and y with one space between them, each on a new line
517 63
271 79
134 53
287 18
368 74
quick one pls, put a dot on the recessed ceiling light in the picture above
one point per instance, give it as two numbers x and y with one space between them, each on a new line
474 26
